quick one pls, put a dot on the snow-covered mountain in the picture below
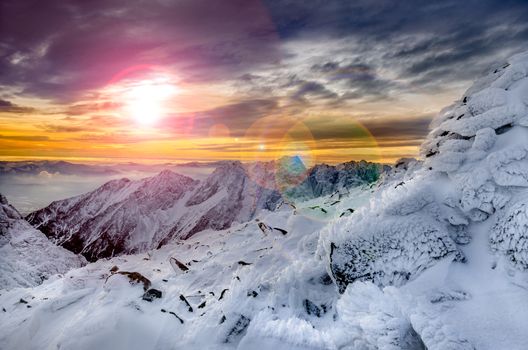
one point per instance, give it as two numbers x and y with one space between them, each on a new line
435 258
27 257
323 179
35 167
124 216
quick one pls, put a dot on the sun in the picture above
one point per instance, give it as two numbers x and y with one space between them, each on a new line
146 101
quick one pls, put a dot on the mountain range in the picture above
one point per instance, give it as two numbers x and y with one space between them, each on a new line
126 217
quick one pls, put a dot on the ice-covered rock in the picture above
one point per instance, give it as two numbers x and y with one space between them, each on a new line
476 164
390 251
509 235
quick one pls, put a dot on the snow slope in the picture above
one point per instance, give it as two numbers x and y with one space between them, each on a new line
27 257
235 281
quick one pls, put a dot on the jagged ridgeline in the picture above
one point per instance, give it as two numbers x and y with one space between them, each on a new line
124 217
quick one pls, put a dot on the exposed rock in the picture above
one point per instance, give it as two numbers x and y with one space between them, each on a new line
184 299
311 308
152 294
175 263
136 278
222 294
284 232
238 329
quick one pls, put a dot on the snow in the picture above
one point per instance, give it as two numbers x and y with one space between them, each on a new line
126 217
433 256
508 235
27 257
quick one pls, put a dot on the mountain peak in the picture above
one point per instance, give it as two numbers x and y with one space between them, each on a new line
170 175
294 163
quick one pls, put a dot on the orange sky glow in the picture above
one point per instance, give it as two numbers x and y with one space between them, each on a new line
153 116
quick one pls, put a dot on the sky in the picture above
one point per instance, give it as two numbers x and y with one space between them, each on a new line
199 80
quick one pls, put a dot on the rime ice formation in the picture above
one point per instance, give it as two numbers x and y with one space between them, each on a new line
476 166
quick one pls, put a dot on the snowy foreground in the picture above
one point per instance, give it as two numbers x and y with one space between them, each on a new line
435 257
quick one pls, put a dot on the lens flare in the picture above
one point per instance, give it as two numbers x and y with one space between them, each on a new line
219 131
288 148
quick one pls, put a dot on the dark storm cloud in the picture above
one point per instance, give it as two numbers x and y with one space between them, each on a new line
408 130
313 90
361 79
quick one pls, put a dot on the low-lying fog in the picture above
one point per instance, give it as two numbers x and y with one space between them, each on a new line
28 193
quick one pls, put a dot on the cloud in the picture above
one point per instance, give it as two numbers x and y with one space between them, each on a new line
272 58
411 129
312 89
65 128
10 107
386 129
118 138
237 116
63 49
29 138
420 46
